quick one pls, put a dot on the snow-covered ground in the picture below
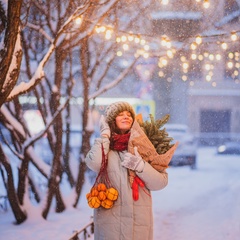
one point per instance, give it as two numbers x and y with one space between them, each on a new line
202 204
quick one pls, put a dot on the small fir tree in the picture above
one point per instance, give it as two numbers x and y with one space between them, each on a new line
158 137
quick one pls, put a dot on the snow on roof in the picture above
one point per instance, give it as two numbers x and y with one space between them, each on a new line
168 15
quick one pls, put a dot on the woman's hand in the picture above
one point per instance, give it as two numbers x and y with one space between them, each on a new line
104 128
133 162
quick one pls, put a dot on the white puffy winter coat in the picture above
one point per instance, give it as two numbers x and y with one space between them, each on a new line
127 219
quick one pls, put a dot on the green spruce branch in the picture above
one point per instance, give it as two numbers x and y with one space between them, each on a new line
158 137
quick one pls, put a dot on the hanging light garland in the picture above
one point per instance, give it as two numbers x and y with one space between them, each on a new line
129 41
143 48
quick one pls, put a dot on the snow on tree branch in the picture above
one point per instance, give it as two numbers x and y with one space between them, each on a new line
228 18
39 29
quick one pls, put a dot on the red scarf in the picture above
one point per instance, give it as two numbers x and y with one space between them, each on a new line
119 142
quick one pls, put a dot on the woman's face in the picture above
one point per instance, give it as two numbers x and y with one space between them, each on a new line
124 121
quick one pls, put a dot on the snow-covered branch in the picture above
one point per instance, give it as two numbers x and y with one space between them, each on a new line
228 18
41 30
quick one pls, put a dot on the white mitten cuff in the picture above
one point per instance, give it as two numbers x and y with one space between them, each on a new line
140 166
133 162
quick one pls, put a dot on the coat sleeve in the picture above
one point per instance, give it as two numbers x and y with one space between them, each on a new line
153 179
94 156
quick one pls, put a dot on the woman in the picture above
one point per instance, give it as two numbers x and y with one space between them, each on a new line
129 218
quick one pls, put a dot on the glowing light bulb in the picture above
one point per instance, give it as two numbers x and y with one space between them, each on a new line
161 74
160 65
214 84
183 58
184 78
206 4
119 53
165 2
164 61
231 55
146 55
185 65
130 38
136 39
168 44
164 40
224 46
218 56
207 66
230 65
98 29
142 42
198 40
102 29
211 57
236 72
206 54
234 36
146 47
125 47
124 38
193 56
108 34
78 20
208 78
200 57
170 53
210 73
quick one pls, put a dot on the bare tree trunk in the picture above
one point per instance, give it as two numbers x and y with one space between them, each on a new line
23 173
6 54
66 154
56 172
34 190
84 57
19 215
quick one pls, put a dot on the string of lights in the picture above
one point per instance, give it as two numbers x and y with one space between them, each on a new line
195 48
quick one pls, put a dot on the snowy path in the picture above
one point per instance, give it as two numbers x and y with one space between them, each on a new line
202 204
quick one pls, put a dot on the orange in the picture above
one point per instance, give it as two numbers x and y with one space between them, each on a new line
112 194
101 187
94 202
94 192
102 195
88 195
107 203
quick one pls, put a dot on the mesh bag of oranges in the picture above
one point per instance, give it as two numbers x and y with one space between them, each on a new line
102 194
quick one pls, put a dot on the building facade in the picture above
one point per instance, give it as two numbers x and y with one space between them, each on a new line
201 85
